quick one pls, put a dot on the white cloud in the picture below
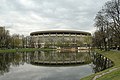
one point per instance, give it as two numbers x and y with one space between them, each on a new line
25 16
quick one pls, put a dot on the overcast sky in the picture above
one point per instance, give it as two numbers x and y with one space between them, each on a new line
25 16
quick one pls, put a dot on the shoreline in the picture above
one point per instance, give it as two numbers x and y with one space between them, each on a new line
112 73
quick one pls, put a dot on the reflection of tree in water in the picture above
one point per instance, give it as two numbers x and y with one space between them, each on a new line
101 63
8 60
4 63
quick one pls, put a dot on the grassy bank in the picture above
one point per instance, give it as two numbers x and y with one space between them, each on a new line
21 50
114 75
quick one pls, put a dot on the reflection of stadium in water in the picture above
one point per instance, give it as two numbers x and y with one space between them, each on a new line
61 58
8 60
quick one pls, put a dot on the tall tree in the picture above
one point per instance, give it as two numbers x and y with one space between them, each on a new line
112 11
4 38
107 22
16 41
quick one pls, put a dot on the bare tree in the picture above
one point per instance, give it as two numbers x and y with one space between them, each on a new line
101 23
107 22
112 11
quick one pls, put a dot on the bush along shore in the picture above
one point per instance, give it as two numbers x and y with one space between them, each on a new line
112 73
21 50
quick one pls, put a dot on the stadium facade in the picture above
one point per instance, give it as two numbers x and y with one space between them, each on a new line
60 39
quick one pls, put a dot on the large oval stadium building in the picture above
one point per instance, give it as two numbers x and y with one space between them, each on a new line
59 39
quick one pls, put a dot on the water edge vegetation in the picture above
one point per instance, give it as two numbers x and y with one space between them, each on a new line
113 75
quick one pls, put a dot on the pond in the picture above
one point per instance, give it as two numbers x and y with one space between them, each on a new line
51 65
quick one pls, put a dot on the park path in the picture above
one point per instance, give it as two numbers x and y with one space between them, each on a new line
102 74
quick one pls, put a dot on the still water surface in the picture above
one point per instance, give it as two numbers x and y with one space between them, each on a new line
25 65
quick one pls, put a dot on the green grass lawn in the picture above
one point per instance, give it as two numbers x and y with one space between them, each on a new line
21 50
14 50
115 75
